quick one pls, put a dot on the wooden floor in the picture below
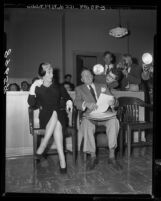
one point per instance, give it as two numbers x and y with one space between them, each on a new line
135 178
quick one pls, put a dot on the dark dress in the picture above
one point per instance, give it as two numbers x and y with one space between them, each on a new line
49 99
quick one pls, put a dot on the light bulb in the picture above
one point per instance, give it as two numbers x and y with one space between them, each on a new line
98 69
147 58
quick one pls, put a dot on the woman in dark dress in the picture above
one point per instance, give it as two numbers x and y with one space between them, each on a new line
53 117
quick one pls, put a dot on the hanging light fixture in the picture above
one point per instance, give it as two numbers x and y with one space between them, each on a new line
119 31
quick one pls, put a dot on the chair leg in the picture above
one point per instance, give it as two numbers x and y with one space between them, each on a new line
85 157
74 146
83 154
128 141
139 133
121 142
64 143
34 144
34 149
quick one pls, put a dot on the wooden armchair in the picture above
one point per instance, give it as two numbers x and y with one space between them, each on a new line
38 133
128 115
100 136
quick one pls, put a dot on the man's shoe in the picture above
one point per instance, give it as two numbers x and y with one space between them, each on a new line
92 163
115 164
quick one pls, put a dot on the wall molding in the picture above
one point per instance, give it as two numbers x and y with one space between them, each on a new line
19 151
24 151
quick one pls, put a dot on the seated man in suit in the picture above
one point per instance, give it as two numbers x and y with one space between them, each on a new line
85 100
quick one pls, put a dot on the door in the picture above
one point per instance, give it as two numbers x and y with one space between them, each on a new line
84 61
79 66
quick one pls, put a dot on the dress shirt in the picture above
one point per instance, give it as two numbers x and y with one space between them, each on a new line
108 68
93 86
129 69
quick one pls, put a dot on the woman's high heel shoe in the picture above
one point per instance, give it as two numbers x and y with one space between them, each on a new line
40 156
62 170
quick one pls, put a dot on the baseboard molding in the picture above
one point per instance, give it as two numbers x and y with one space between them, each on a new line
23 151
19 151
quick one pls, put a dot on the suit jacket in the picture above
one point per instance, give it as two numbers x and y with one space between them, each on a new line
134 77
84 94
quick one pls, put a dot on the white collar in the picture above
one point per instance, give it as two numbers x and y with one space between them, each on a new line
92 85
129 69
109 66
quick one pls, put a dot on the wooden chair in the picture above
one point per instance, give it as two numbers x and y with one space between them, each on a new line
100 137
128 115
102 140
38 133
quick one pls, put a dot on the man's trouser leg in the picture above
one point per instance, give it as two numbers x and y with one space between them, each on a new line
112 130
87 130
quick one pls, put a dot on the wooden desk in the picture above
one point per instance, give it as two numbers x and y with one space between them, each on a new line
18 138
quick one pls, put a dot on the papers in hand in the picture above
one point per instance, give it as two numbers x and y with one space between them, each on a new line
103 103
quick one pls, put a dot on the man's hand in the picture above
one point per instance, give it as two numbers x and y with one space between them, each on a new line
125 72
115 104
91 106
147 68
112 101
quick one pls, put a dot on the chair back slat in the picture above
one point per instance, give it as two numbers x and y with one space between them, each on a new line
74 117
128 110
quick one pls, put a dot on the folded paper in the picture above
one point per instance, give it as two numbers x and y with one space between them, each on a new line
103 103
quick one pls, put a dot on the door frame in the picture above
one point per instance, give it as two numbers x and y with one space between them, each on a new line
98 55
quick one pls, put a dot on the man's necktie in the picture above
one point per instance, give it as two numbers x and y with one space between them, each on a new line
92 92
107 69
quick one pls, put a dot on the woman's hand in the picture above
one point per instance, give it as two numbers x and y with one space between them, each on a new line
37 83
69 106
